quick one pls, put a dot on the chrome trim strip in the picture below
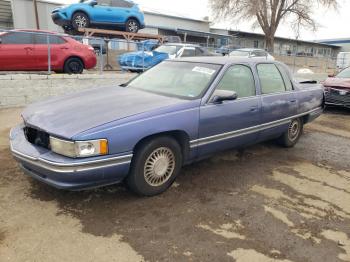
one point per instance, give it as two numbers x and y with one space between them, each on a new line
249 130
71 167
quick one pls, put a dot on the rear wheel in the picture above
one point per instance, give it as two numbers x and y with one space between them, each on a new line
155 166
80 20
73 65
292 135
132 26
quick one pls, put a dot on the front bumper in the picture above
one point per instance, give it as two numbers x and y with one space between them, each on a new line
338 97
63 172
59 19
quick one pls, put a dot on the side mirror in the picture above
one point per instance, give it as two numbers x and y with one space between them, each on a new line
93 2
0 41
223 95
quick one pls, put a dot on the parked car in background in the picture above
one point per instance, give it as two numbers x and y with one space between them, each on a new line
27 50
141 61
343 60
252 53
337 89
225 50
105 14
176 113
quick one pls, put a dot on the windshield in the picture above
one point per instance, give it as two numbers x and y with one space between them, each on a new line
239 53
169 49
180 79
344 74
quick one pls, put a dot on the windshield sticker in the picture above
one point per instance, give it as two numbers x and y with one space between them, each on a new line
203 70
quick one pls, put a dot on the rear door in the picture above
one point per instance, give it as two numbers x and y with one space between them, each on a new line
17 51
231 123
278 99
58 51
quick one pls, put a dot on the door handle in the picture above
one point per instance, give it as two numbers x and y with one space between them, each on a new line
253 109
28 48
108 9
65 48
293 101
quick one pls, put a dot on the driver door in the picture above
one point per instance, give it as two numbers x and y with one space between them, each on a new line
230 123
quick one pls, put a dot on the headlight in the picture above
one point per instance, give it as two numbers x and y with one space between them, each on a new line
79 148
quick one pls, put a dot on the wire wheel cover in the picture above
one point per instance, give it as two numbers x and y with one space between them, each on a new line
159 166
293 130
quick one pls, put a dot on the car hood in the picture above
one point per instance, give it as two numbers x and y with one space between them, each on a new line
69 115
342 83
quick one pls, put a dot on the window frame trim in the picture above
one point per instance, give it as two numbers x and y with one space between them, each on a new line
209 101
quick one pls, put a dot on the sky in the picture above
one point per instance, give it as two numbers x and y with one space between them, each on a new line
333 24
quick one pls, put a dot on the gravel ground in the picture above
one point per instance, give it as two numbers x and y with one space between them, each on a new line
265 203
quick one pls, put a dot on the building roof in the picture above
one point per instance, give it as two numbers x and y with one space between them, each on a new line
335 41
237 33
222 60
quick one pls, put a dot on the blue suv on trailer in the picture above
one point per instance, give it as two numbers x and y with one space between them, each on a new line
104 14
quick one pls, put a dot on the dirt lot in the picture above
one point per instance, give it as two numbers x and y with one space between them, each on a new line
264 204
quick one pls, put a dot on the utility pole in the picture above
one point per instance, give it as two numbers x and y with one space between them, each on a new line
36 14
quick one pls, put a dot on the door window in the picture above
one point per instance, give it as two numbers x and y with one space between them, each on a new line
270 79
104 2
238 78
199 51
121 3
19 38
41 39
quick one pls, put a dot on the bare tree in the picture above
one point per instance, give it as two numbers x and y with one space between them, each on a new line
268 14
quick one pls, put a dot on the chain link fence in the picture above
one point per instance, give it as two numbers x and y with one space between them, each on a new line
110 53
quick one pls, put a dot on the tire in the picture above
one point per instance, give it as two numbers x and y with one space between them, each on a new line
292 135
80 20
155 165
73 65
132 26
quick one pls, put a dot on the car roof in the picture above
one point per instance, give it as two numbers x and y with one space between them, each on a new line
250 49
223 60
182 44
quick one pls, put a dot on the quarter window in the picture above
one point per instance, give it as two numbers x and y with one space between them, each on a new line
189 52
270 79
238 78
287 81
19 38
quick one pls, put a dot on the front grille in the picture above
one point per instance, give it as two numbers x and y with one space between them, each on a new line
37 137
333 96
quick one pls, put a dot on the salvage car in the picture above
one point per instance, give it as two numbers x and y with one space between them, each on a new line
337 89
144 131
105 14
27 50
141 61
252 53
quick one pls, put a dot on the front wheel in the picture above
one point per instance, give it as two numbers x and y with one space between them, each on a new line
292 135
155 166
132 26
80 20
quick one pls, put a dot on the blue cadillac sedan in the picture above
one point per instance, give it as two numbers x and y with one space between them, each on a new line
144 131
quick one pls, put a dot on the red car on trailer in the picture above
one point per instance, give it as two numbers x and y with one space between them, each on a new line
27 50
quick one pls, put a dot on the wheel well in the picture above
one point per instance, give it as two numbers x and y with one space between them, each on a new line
80 11
180 136
75 57
133 17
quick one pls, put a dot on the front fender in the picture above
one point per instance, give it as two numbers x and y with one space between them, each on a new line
124 135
